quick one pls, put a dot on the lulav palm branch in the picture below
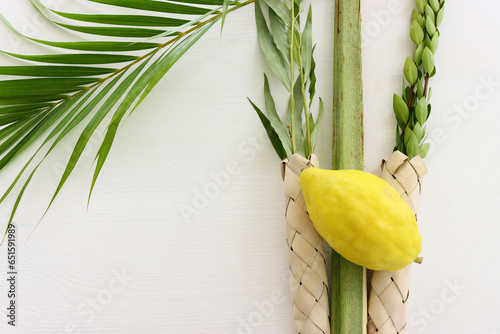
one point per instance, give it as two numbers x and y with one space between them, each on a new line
97 82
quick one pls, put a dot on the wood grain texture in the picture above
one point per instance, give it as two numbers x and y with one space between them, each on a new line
212 274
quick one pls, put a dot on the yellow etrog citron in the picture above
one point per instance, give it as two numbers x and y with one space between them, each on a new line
362 218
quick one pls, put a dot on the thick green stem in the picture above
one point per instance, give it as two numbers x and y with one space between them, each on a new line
348 286
292 99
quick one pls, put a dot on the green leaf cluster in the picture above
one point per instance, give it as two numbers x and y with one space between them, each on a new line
288 50
412 107
93 84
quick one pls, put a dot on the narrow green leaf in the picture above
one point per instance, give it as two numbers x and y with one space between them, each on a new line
41 87
54 71
100 45
15 117
312 79
22 108
273 136
296 43
275 119
281 10
306 45
127 20
311 126
271 53
202 2
155 6
315 130
16 204
151 85
79 59
5 101
113 31
225 7
297 115
280 36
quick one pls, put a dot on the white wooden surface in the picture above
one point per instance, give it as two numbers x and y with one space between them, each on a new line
223 270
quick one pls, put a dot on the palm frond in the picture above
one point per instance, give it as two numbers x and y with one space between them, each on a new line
53 93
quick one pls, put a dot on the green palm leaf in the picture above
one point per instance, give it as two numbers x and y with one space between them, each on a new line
127 20
54 71
80 59
98 46
157 6
53 93
114 32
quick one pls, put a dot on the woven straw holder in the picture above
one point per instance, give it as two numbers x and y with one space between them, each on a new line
308 279
389 291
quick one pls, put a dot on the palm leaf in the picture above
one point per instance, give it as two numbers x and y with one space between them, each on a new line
77 58
58 91
54 71
127 20
100 45
158 6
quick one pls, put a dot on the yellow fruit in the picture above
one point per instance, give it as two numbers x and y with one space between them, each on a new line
362 217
